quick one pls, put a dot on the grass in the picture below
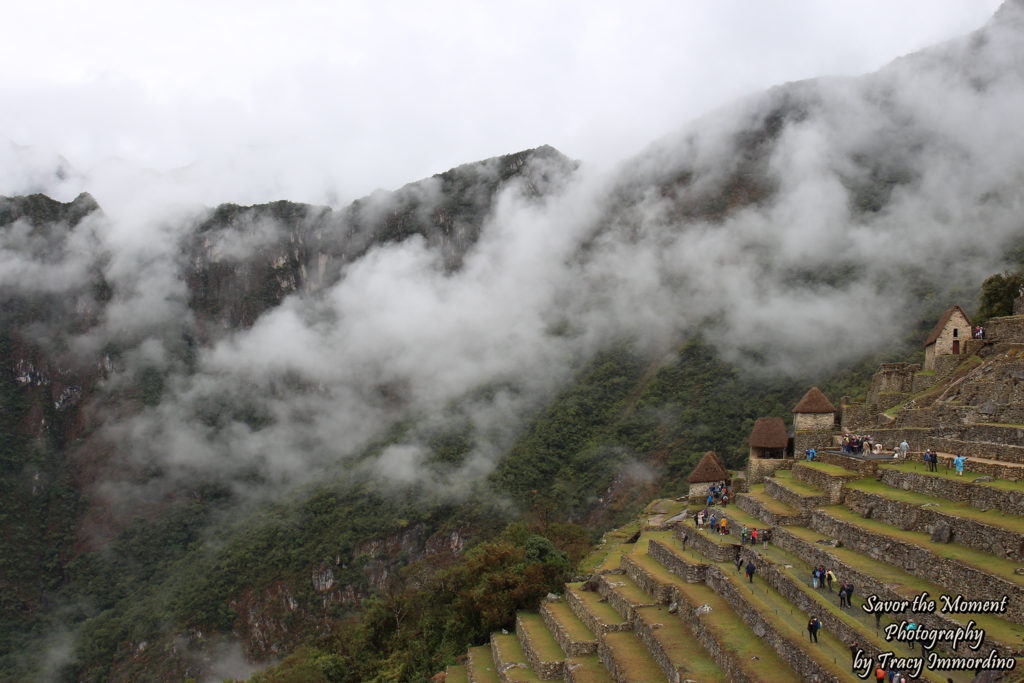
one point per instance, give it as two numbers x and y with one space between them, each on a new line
588 668
855 618
825 467
603 612
544 644
684 651
803 489
665 506
909 585
606 555
482 664
624 586
735 637
957 553
511 652
633 658
776 507
995 518
968 476
456 673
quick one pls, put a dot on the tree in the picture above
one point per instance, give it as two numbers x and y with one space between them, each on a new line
997 295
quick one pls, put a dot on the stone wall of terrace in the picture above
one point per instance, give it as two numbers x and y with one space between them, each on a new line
865 584
865 468
792 652
754 507
778 491
985 537
972 583
831 484
978 495
545 670
759 468
691 573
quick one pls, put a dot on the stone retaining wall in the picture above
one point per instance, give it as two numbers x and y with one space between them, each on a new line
641 577
546 670
579 608
501 665
832 484
759 468
790 588
645 632
708 548
979 496
865 468
857 416
973 534
726 660
571 648
791 652
754 507
1008 471
691 573
866 584
972 583
975 449
621 604
604 653
812 439
778 491
1008 328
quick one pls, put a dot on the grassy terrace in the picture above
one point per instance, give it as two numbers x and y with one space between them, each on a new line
482 664
576 629
909 585
511 652
771 504
606 556
735 637
632 593
968 477
603 612
544 644
785 477
830 653
856 618
456 674
995 518
683 650
969 363
589 668
825 467
975 558
632 657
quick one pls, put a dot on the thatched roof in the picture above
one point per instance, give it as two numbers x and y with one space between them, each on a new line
708 469
769 432
814 402
937 330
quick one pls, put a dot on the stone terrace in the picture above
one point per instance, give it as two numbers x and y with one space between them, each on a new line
660 612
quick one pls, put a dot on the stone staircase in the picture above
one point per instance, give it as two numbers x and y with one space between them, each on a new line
654 611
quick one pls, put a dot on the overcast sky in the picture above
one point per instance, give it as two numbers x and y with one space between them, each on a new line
327 101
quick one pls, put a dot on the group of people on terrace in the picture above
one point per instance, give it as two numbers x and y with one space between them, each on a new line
822 576
718 493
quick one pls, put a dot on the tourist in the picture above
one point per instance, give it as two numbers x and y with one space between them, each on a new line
812 629
813 454
753 537
711 499
849 593
911 627
829 578
739 563
880 675
684 538
765 534
725 526
843 602
854 648
904 449
751 570
958 462
814 577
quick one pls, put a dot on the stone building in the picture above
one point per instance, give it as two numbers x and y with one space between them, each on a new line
708 472
814 412
948 338
769 443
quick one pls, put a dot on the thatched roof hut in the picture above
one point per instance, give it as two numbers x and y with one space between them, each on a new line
709 469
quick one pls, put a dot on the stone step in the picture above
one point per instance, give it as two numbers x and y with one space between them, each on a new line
966 571
797 494
623 594
627 659
708 542
586 669
998 494
593 610
768 510
480 665
545 656
572 635
891 584
679 655
510 660
991 532
456 673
